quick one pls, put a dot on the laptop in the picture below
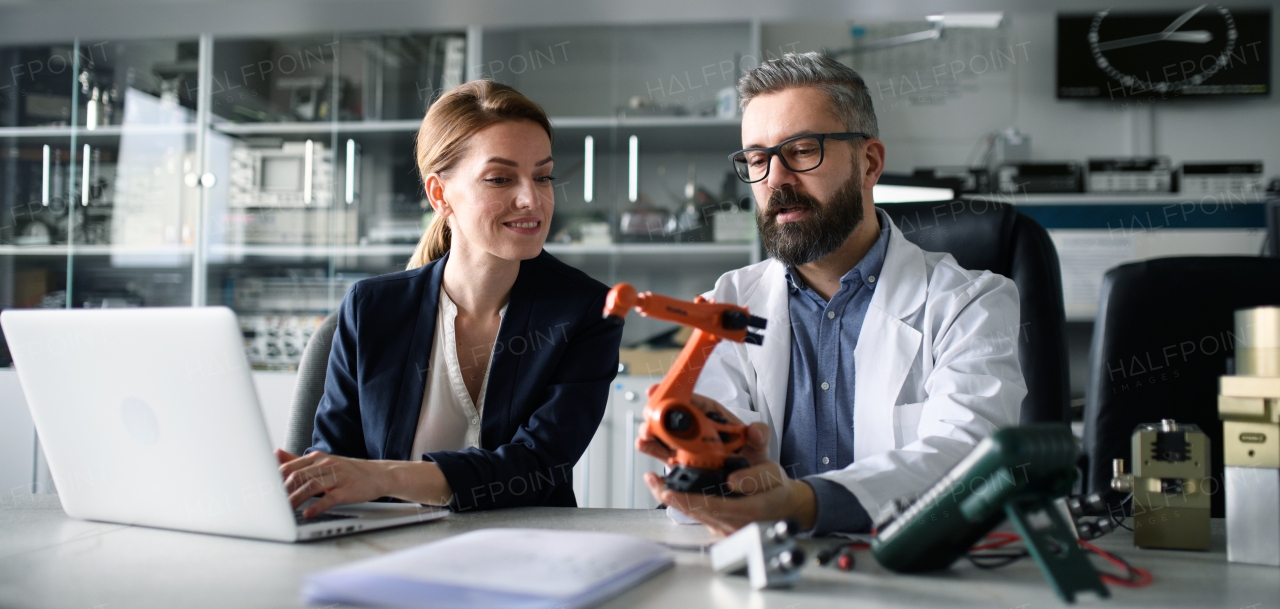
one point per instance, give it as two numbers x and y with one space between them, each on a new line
149 416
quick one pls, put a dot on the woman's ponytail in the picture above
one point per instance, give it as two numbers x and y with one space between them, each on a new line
433 244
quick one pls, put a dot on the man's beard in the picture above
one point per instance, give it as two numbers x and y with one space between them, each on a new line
819 233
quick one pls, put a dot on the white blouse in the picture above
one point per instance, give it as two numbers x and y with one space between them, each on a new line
448 419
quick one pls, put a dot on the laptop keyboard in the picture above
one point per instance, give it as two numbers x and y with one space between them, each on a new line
325 517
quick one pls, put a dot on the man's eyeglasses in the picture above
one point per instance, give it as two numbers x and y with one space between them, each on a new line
801 153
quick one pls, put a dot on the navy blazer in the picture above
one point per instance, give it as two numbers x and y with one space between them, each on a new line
549 378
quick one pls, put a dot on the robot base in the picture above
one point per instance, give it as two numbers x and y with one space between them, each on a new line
704 481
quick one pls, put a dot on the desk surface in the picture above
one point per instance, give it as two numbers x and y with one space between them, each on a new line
50 560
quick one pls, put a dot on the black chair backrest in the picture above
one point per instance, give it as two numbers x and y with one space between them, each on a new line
309 387
1164 332
996 237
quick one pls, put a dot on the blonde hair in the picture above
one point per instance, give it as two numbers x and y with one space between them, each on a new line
442 142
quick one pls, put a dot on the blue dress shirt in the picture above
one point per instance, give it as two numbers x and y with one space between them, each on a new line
817 434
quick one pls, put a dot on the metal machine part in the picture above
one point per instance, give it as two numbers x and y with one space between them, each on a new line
1089 515
1249 406
1168 483
765 551
1258 347
1253 522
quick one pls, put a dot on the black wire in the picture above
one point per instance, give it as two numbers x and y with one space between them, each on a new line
1001 559
1119 521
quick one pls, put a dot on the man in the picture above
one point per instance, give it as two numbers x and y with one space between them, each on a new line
882 365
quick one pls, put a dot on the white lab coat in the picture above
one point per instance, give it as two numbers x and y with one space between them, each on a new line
917 411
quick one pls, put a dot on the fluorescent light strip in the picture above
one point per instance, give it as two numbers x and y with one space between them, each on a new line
351 171
889 193
306 173
633 170
84 178
982 20
44 179
589 169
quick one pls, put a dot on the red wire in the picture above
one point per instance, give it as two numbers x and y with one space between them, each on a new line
1004 540
1142 578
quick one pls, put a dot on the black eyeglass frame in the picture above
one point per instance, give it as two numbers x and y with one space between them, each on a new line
773 151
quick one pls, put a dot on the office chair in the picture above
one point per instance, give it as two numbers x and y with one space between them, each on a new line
310 386
996 237
1273 226
1164 333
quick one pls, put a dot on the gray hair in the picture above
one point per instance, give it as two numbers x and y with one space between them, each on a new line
850 99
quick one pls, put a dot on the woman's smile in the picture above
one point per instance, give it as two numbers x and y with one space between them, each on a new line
525 226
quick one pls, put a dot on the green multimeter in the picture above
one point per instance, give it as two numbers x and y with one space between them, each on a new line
1016 473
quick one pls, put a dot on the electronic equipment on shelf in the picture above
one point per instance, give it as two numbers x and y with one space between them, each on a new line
1130 174
276 342
1040 178
966 179
1220 179
295 174
266 226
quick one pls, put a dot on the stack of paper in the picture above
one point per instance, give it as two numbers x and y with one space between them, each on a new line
525 568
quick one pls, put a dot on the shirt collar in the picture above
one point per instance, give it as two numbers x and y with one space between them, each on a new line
864 270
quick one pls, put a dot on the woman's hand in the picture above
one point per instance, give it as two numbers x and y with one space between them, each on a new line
346 480
342 480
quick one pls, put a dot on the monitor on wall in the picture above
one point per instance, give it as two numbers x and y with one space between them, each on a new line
1186 52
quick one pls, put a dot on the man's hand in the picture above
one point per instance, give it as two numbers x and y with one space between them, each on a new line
770 494
342 480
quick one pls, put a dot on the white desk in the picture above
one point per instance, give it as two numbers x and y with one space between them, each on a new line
49 560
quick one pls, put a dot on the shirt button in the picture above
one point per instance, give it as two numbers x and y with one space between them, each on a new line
831 314
825 460
871 278
826 385
475 421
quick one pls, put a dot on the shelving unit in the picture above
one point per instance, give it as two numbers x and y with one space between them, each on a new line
171 223
166 121
95 250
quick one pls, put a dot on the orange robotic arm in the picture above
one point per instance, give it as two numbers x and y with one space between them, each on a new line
703 443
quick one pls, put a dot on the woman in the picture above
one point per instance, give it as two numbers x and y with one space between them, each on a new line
476 378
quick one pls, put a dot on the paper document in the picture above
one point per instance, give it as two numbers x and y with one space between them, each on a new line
526 568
